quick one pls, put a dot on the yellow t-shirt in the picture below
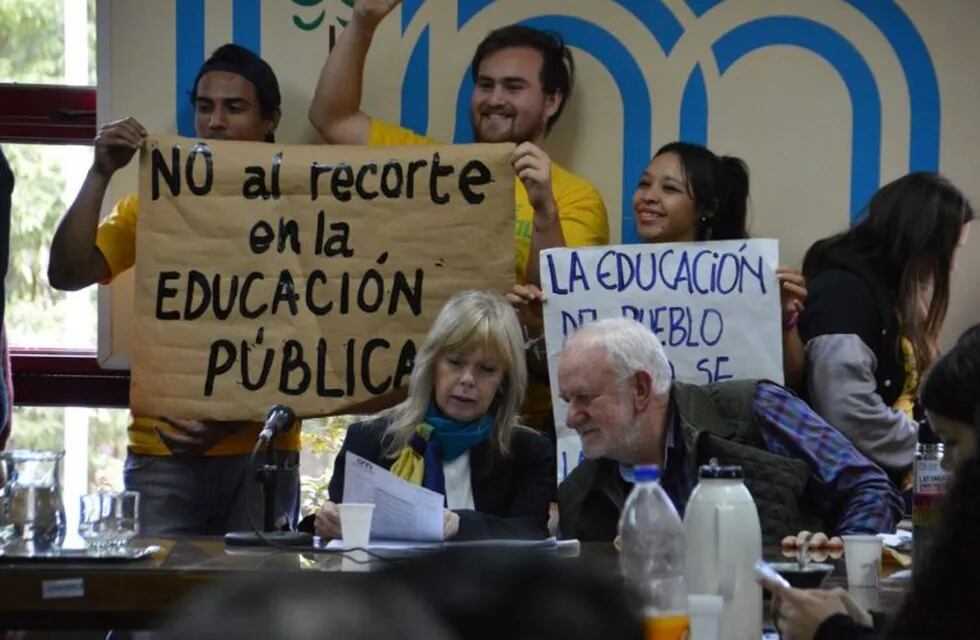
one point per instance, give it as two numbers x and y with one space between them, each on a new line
116 239
581 213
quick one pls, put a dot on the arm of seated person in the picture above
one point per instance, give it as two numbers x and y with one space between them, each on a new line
843 483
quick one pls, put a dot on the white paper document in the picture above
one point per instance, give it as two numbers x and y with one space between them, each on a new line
401 545
402 510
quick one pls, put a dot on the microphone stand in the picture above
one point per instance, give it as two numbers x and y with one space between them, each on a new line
268 476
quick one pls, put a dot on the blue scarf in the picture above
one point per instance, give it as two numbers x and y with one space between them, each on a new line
456 438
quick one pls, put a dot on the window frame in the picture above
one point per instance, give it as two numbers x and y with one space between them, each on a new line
47 114
57 114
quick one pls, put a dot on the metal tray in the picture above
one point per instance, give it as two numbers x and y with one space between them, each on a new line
129 554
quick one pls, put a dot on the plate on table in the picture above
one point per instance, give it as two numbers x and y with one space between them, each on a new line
126 554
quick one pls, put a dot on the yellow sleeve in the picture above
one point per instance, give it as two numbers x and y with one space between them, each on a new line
116 237
384 134
581 211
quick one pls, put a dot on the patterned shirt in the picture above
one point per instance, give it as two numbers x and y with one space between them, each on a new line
848 488
844 484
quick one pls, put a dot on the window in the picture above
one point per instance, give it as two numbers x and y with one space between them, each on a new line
47 122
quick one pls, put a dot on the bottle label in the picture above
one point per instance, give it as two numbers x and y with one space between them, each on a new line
671 627
930 478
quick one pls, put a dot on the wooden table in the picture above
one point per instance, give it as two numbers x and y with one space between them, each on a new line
139 595
90 595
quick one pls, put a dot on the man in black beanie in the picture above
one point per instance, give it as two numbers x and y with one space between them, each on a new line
189 473
219 84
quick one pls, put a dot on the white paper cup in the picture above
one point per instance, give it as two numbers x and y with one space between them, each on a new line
355 523
862 554
864 597
706 613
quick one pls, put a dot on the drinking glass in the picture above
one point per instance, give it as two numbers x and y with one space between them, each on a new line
108 520
126 518
32 516
94 524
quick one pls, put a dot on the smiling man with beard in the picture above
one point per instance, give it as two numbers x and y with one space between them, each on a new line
523 78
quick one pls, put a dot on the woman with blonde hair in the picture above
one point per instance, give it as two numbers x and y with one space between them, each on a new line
457 433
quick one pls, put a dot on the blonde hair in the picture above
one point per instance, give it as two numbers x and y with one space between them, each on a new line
469 320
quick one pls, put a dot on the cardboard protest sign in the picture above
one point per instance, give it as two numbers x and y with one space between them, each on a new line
304 275
713 305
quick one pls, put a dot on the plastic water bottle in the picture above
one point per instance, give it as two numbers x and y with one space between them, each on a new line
652 556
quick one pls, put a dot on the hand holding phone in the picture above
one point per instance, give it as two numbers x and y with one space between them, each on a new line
768 577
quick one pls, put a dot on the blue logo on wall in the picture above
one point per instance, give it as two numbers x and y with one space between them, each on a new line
638 113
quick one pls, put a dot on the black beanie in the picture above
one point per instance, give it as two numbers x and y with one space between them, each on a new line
952 388
236 59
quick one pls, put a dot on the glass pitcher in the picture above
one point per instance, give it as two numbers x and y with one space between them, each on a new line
32 515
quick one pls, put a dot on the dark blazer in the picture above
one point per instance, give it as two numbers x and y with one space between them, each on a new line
512 495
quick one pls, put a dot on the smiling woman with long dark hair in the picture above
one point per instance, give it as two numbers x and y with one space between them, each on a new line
687 193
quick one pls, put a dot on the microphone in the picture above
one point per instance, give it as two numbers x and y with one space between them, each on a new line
280 419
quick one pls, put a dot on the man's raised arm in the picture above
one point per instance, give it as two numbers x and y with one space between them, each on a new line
75 260
336 107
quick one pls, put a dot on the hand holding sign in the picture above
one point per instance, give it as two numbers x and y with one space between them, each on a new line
533 166
792 294
115 145
195 437
527 300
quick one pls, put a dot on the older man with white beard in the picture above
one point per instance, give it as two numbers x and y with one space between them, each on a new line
802 473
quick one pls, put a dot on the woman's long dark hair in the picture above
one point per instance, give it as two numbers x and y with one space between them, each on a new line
944 599
909 234
719 186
